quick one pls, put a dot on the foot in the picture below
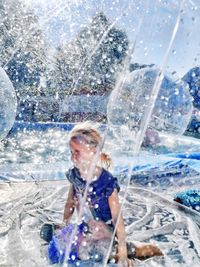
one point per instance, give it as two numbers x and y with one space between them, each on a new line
47 231
146 250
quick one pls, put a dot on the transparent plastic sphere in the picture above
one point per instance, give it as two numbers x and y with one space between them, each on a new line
192 77
8 104
128 103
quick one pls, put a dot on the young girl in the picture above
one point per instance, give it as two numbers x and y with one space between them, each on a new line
94 193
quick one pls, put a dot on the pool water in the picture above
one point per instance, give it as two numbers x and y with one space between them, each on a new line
50 146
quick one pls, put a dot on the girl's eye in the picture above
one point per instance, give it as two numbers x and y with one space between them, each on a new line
74 152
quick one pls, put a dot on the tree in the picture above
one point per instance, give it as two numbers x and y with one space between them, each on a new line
92 60
22 47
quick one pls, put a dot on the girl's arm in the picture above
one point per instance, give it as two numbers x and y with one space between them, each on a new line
120 229
69 205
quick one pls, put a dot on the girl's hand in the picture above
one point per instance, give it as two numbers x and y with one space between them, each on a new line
124 261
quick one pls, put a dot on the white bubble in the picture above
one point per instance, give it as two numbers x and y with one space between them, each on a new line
73 257
129 103
8 104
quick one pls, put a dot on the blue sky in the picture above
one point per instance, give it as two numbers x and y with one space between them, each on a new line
148 22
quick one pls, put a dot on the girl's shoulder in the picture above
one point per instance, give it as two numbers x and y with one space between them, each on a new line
73 176
107 177
106 183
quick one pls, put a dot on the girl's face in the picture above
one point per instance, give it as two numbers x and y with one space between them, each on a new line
82 154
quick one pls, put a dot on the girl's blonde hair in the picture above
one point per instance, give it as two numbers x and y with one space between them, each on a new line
89 134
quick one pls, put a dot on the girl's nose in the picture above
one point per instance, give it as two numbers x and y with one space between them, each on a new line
72 157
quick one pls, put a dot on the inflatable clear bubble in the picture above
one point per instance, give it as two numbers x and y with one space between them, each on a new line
192 77
64 59
128 103
8 104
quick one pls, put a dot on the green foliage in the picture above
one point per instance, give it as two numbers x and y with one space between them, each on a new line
22 47
92 60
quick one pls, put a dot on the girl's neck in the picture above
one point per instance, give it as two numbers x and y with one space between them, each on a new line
88 174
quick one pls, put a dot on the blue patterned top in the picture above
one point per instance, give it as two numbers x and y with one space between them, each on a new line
98 192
